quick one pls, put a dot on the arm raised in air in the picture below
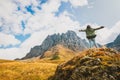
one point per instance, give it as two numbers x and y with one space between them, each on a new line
99 28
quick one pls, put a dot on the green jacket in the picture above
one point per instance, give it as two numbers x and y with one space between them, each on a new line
90 32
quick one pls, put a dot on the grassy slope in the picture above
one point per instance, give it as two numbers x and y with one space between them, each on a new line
60 52
93 63
34 69
19 70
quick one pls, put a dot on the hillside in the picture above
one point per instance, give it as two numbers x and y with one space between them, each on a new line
27 70
59 52
37 68
92 64
69 40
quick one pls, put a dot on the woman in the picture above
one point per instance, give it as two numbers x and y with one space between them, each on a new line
90 34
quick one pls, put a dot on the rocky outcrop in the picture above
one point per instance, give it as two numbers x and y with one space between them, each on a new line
92 64
69 40
115 44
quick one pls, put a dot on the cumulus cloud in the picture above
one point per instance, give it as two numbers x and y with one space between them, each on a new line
108 35
12 53
7 40
44 22
10 23
76 3
105 35
65 21
54 26
11 17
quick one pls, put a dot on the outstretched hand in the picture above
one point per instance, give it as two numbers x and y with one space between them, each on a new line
102 27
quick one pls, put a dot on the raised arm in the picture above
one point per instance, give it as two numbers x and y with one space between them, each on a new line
99 28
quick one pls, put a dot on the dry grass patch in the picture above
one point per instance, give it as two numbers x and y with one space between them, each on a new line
26 70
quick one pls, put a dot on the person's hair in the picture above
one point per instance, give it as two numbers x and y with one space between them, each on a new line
88 26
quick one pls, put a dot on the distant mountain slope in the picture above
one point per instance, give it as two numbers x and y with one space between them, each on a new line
69 40
59 52
115 44
92 64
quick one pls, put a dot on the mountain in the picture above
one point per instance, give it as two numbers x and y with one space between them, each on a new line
92 64
115 44
59 52
69 40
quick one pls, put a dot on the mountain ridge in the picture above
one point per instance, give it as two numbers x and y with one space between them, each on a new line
69 40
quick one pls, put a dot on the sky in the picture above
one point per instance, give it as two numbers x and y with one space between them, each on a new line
26 23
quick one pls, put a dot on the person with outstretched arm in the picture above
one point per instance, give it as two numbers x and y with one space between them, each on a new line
90 34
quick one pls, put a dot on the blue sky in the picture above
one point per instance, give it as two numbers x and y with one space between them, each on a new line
25 24
102 12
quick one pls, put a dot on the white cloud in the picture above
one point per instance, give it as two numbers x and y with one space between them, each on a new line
9 20
28 2
105 35
51 6
6 40
43 23
116 28
65 21
12 53
76 3
108 35
35 39
5 10
55 25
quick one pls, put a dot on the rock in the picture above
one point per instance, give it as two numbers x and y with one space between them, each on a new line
69 40
90 66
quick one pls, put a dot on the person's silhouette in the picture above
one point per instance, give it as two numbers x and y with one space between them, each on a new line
90 34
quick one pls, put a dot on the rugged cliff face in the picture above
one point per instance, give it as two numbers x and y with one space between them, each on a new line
92 64
115 44
69 40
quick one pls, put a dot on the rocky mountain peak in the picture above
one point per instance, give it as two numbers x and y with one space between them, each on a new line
69 40
71 33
